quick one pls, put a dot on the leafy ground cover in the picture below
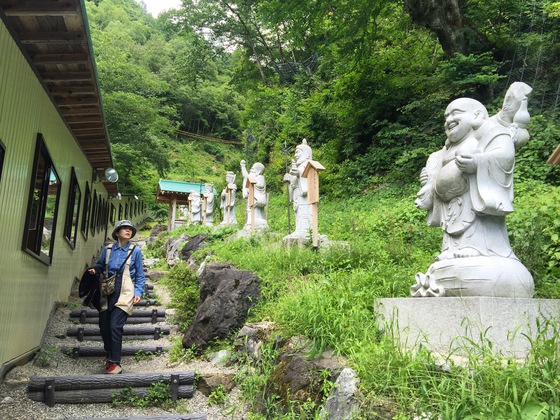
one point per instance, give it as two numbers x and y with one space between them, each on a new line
379 242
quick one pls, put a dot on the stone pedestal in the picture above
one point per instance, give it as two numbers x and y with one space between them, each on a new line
456 325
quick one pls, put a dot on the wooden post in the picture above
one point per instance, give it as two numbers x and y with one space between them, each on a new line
173 212
228 203
311 172
169 217
251 181
204 204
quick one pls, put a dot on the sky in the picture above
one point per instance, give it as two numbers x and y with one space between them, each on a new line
155 7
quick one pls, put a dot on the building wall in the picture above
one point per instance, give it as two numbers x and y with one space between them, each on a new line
28 287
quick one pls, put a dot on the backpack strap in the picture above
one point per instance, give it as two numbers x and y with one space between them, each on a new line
107 255
127 261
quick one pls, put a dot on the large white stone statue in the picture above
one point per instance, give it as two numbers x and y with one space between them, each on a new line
195 207
209 199
227 202
467 190
258 184
298 191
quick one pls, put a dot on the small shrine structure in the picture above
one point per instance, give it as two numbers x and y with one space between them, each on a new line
176 193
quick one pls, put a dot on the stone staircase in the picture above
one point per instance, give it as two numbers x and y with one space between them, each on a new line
146 334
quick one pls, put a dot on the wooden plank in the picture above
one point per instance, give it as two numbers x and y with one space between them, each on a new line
52 37
88 396
60 59
81 382
63 76
62 102
72 90
40 8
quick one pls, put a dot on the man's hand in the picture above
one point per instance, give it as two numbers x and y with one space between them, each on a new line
136 300
91 270
467 162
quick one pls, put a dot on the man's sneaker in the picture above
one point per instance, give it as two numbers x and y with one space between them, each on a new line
113 368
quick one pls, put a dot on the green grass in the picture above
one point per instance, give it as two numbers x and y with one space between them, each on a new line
380 241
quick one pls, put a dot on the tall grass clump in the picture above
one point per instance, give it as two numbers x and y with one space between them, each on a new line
182 283
475 382
378 242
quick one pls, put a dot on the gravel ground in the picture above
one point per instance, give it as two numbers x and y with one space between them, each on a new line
14 403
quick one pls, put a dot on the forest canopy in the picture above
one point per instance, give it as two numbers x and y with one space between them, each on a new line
365 82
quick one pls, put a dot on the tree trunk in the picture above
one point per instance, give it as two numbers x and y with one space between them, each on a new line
444 18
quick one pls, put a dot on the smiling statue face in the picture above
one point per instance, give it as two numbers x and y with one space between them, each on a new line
461 117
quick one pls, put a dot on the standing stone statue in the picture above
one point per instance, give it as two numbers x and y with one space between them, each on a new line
467 190
260 200
298 191
195 207
227 203
209 199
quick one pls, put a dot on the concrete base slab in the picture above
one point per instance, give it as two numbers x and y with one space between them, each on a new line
460 325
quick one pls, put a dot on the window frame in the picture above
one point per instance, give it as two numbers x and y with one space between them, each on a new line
72 221
112 213
86 213
2 156
36 222
93 217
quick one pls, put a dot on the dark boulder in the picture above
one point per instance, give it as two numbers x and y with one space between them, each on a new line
226 295
194 243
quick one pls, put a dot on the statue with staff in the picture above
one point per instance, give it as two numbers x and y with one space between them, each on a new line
254 190
227 202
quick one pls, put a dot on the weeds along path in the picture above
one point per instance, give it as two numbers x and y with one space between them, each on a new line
72 354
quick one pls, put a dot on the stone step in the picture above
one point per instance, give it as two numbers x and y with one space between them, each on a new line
95 351
94 313
85 389
132 320
133 332
167 417
148 302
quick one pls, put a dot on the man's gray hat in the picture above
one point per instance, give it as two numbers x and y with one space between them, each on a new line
121 224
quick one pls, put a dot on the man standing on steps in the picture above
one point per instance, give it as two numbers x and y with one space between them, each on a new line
124 260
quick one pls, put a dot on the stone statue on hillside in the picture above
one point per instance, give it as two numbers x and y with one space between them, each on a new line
227 203
467 190
298 191
195 207
209 199
256 179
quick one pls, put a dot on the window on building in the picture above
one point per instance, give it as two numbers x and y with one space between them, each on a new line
72 211
2 153
120 212
93 219
86 212
101 218
42 206
112 213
